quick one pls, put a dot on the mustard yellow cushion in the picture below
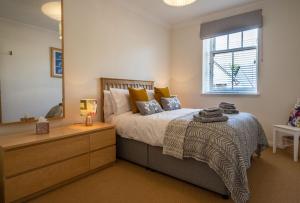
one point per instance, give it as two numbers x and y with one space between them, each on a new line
137 95
161 92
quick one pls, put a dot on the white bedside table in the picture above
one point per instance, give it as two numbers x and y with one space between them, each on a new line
291 131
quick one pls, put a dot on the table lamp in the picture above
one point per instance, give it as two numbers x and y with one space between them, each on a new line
88 108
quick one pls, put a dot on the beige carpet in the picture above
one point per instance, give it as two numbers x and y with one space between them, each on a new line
272 178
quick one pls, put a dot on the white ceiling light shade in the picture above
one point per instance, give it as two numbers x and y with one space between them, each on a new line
179 3
52 10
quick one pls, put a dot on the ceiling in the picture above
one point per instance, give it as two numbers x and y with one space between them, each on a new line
174 15
28 12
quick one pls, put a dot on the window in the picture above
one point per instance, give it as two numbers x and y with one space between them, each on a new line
230 63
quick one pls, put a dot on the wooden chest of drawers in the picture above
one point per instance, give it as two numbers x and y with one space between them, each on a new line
31 164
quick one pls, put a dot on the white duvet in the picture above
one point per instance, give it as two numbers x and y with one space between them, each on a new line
148 129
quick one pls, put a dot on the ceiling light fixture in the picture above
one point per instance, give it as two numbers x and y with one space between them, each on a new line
179 3
53 10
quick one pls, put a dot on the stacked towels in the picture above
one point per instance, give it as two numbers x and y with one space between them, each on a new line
210 115
228 108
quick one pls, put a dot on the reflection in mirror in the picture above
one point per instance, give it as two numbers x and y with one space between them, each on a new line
31 72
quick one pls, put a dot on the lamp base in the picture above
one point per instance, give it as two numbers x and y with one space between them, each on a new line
88 121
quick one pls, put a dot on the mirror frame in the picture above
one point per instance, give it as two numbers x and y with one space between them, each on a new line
63 81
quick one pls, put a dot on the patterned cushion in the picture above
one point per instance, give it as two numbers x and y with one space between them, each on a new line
148 107
170 104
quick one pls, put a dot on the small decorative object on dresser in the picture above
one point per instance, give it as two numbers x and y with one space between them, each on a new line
31 165
88 108
42 126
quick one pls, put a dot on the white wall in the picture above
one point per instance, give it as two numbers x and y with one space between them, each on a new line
26 85
106 40
279 71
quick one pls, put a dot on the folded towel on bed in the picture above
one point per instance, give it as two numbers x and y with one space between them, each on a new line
228 108
201 119
211 114
231 111
212 109
225 105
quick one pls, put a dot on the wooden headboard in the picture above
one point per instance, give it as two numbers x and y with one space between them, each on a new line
107 83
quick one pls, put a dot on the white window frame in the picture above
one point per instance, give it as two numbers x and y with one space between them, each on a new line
207 67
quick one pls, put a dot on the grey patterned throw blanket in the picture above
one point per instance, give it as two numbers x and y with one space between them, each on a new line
226 147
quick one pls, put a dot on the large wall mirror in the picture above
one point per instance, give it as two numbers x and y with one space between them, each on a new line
31 60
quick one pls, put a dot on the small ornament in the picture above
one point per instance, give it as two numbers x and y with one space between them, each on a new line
42 126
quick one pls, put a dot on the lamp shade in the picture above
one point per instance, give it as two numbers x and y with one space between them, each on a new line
88 107
52 10
179 3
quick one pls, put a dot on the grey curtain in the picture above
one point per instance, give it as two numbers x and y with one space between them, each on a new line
242 22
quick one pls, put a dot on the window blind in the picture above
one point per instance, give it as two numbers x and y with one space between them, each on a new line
238 23
234 71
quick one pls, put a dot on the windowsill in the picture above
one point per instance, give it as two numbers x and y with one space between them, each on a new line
231 93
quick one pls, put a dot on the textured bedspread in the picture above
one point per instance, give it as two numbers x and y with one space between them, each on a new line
226 147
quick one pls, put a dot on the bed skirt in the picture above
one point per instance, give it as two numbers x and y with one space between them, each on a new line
189 170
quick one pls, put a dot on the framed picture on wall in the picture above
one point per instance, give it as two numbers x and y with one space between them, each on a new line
56 62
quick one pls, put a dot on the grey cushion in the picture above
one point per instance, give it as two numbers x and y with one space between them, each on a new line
149 107
170 104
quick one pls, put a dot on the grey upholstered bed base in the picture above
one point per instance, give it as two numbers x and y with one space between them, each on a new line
189 170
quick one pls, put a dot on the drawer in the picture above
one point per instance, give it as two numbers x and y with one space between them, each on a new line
103 139
24 159
102 157
20 186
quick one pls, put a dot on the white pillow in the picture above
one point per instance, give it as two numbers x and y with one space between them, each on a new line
150 94
120 100
108 105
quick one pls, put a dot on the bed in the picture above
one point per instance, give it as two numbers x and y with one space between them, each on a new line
142 143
